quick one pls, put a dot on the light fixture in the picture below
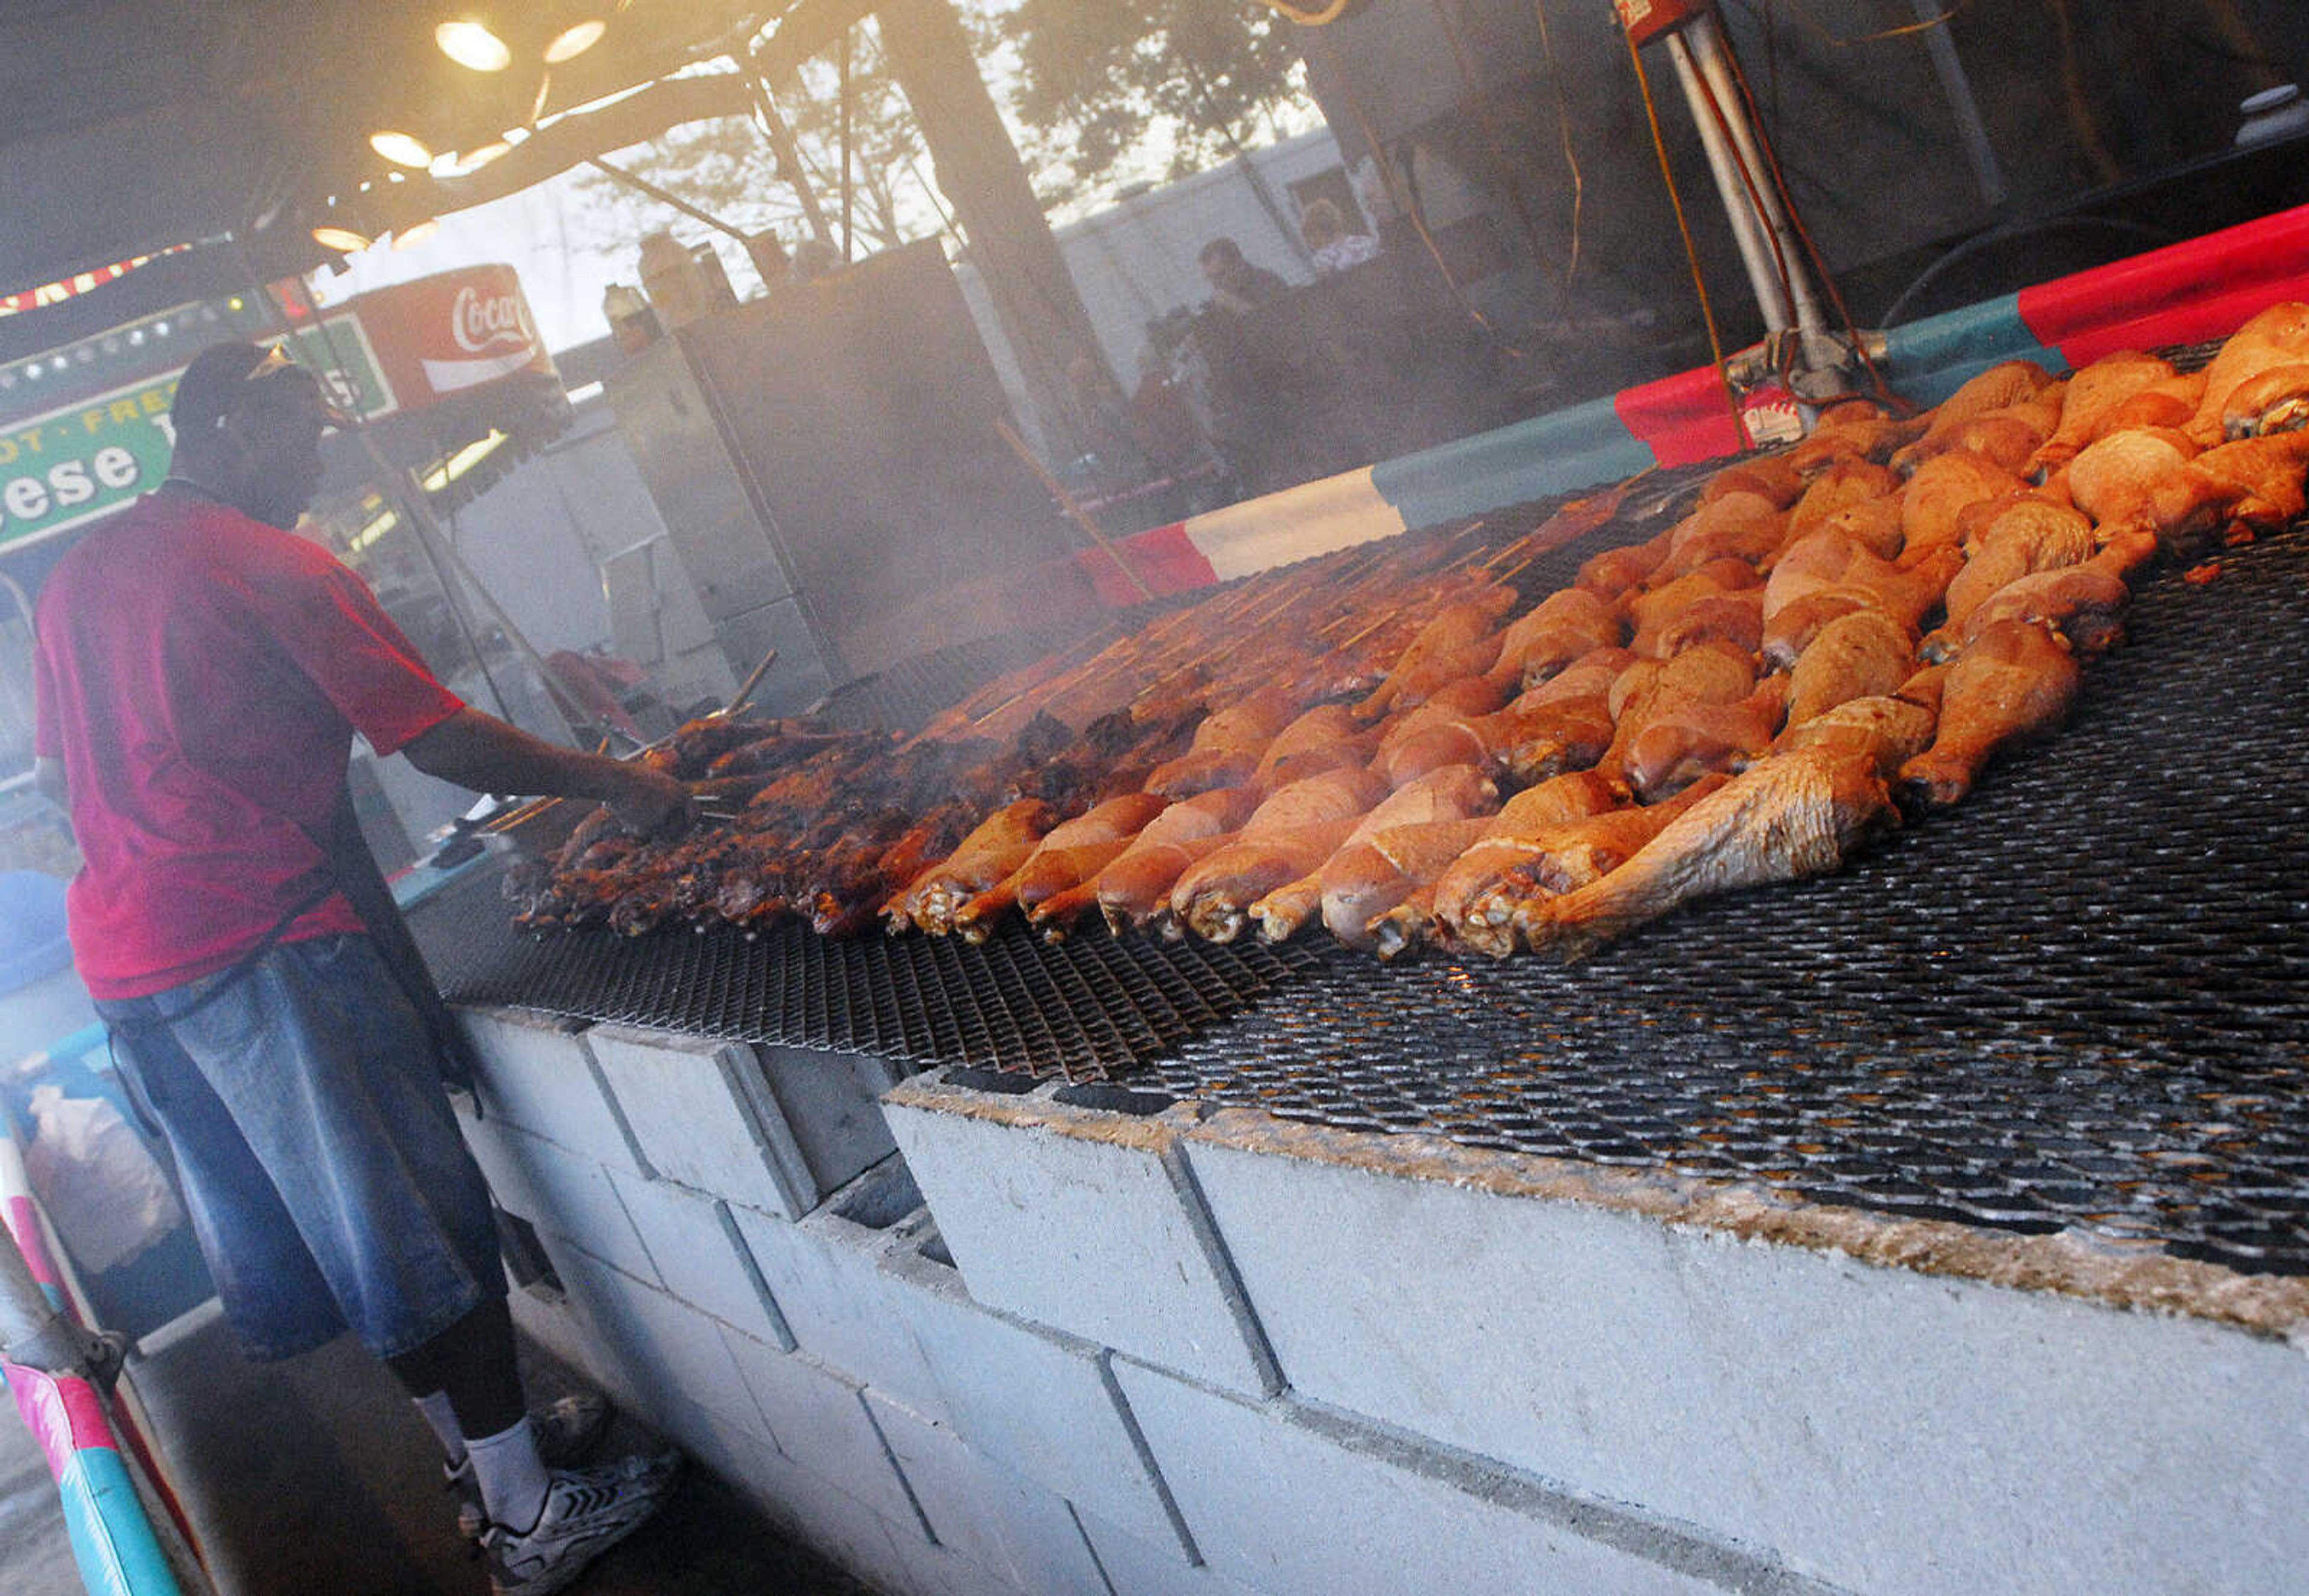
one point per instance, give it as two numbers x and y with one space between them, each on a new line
342 239
409 238
463 461
573 42
481 157
401 149
470 44
377 528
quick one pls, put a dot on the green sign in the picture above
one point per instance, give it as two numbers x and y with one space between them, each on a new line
63 468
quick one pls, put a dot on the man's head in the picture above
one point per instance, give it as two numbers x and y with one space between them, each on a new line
1224 266
248 426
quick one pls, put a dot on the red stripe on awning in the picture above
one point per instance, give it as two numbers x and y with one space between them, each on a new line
1680 419
1164 557
2183 293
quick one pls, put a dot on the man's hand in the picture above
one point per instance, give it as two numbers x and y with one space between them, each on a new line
653 803
479 752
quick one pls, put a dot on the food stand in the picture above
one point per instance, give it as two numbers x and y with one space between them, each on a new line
1932 1225
1929 1225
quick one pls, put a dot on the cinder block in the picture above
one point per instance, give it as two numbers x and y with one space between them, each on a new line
997 1522
831 1103
710 1440
668 1351
1136 1568
1305 1504
819 1420
818 1513
701 1116
1041 1402
824 1274
2002 1439
536 1072
1084 1220
562 1192
559 1326
925 1568
699 1257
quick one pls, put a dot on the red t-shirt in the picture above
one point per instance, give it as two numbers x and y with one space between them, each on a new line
200 676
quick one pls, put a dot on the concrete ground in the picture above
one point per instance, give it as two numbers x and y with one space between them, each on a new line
318 1475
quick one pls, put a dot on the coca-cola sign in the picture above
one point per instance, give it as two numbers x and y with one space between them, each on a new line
452 332
491 322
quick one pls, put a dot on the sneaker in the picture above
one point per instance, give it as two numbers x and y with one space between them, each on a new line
568 1430
587 1510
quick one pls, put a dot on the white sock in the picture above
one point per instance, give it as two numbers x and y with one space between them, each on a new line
442 1417
511 1475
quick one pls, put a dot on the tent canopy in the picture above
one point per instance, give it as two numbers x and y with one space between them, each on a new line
128 126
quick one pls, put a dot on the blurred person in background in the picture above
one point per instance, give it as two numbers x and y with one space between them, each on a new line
1330 244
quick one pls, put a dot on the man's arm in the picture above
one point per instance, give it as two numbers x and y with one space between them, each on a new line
482 752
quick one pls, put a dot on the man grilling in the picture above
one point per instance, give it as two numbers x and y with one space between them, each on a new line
201 671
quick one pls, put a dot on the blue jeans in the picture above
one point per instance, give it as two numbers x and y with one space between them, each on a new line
316 1150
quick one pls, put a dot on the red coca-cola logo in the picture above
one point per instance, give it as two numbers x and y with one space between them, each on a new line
480 322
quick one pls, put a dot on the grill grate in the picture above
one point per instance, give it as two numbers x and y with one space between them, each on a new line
2080 1000
1085 1009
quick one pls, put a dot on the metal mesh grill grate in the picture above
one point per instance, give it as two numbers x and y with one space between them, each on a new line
906 696
2081 999
1085 1008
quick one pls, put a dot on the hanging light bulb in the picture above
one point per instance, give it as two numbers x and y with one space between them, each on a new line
409 238
470 44
342 239
401 149
573 42
473 160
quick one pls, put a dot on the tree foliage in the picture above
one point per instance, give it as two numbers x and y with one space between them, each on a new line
728 167
1090 86
1096 77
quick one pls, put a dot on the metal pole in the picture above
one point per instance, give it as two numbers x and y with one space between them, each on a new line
1747 229
1957 87
849 253
430 533
644 186
788 159
1711 52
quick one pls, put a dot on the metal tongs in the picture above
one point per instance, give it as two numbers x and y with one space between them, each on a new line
717 806
506 829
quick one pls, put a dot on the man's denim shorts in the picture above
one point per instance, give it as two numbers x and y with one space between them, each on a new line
315 1148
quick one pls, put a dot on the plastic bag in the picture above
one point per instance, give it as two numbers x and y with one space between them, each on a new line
106 1197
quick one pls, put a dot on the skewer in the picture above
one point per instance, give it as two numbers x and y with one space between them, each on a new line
1516 570
1055 674
746 689
1068 502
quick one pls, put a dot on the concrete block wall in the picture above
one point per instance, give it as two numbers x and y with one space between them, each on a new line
1612 1380
1066 1340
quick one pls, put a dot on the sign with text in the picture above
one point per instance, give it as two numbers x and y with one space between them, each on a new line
452 332
65 467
